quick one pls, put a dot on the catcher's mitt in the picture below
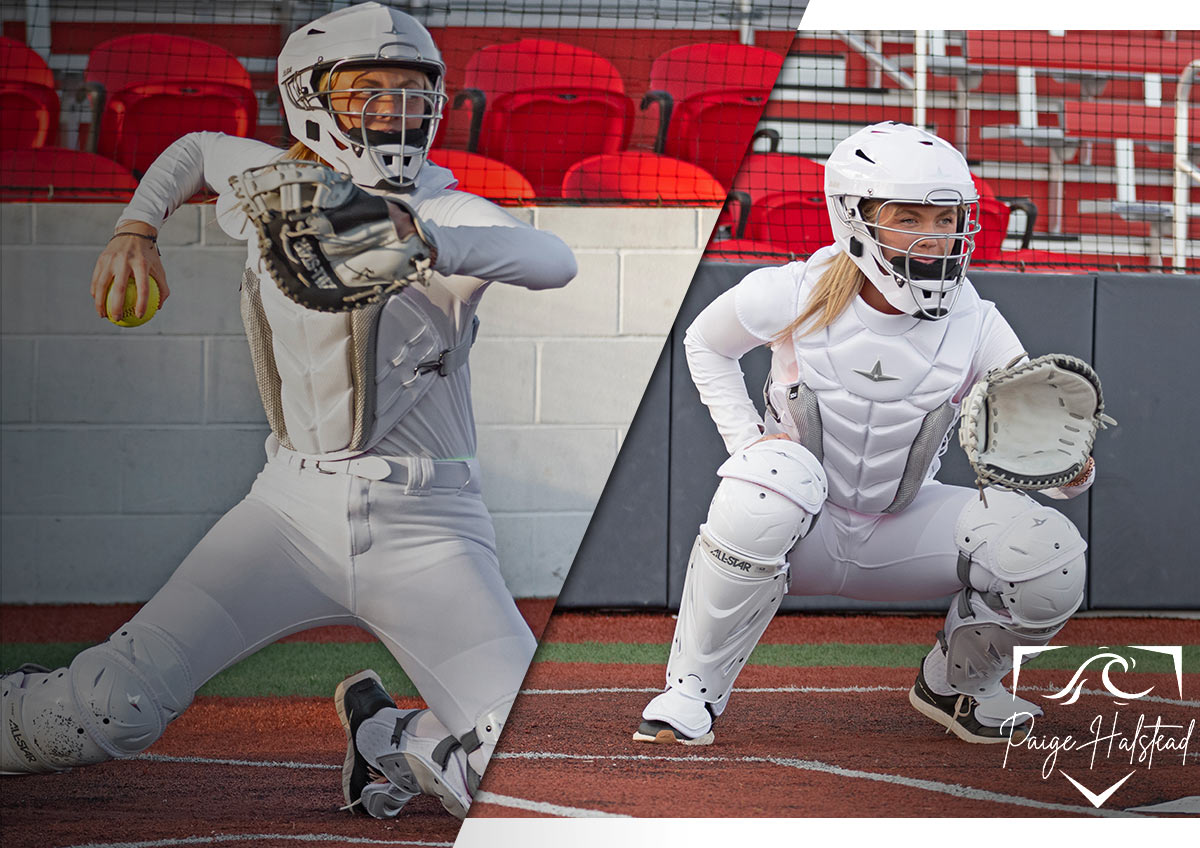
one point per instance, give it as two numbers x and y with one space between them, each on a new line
1032 426
326 243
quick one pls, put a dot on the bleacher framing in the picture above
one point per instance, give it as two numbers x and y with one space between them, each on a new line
1015 103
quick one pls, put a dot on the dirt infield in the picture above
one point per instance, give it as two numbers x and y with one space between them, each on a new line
797 740
838 741
287 785
804 744
266 768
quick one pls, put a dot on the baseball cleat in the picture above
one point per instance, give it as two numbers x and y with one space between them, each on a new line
356 699
673 717
665 734
957 713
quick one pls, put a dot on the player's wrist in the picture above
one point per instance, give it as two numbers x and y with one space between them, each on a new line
1082 476
135 228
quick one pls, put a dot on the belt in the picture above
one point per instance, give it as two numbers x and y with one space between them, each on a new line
415 473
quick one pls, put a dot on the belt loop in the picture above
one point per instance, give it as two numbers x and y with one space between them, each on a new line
420 475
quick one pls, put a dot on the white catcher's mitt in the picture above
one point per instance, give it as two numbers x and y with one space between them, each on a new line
1032 426
326 243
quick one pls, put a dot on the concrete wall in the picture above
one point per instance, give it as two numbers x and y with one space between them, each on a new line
121 447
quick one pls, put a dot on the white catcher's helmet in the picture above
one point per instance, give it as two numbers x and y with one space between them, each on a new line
367 35
901 164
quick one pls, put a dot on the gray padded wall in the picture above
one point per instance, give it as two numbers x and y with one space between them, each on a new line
1137 518
622 559
1145 531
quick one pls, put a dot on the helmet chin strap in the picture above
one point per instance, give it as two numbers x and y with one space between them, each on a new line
947 268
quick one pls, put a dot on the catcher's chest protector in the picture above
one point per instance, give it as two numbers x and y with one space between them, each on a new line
873 407
333 384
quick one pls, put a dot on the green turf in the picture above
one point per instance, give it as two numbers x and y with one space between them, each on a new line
315 668
294 668
834 654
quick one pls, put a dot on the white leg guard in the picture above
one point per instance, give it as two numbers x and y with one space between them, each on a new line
1024 570
736 579
115 700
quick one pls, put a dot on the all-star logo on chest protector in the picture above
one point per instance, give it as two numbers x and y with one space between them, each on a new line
876 374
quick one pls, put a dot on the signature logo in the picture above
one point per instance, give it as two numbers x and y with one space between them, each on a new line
1075 687
1105 739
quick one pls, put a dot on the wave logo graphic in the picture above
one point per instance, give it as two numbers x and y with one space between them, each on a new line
1105 662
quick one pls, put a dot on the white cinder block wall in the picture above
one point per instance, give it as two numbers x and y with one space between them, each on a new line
121 447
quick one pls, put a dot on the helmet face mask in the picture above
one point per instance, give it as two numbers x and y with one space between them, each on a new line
904 207
364 89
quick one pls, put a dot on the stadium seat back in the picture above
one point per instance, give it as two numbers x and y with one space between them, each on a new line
547 105
58 174
28 98
486 177
718 92
160 87
641 176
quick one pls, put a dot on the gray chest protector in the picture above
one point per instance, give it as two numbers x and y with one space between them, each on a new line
333 384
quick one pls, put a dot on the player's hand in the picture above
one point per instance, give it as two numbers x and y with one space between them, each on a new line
127 256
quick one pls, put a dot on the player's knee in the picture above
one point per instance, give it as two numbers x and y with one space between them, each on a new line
1025 557
129 688
768 498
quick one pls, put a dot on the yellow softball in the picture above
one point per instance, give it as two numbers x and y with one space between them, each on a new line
127 317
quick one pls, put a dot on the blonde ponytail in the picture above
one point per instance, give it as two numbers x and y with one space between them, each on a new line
838 285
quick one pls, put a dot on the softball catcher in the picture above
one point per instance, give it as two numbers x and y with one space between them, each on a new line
876 341
363 273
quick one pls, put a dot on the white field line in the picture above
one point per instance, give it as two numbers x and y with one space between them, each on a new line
543 807
217 839
954 789
213 761
825 690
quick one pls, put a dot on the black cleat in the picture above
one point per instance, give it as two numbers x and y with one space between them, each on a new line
956 713
664 733
357 698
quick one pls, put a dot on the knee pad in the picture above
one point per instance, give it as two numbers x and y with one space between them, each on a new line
770 494
1025 558
129 688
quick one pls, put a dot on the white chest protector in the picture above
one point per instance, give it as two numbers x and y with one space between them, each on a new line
334 384
873 397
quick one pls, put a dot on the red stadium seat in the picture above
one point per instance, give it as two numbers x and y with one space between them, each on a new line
641 176
710 98
780 198
150 89
58 174
541 106
994 213
483 176
28 99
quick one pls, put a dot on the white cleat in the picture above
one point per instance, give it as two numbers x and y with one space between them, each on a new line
676 718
